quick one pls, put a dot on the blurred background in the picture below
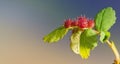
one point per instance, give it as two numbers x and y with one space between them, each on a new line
23 23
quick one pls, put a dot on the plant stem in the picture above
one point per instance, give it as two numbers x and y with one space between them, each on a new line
115 51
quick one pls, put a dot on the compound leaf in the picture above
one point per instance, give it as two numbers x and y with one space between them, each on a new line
75 40
56 34
105 19
104 36
88 41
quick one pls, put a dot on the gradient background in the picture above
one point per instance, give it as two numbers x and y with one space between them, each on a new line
23 23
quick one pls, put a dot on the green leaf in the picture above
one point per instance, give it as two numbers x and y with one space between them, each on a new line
75 40
56 34
104 36
88 41
105 19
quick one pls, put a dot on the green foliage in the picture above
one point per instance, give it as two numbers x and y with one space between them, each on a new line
88 41
105 19
83 40
56 35
104 36
75 41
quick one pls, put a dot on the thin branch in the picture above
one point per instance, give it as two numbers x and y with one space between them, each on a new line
115 51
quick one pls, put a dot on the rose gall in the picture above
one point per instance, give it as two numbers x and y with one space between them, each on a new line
75 23
82 22
91 23
67 23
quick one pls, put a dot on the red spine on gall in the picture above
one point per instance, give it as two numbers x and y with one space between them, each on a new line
67 23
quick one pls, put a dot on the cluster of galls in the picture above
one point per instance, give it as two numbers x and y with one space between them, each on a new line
81 22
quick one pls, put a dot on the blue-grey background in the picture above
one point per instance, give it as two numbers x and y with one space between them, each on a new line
23 23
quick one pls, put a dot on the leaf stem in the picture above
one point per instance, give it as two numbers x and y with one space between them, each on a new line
115 51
